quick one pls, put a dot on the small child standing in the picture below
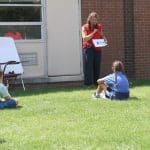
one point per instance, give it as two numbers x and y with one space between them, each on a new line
115 85
8 101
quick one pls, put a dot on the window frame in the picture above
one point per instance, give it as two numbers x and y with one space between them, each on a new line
41 23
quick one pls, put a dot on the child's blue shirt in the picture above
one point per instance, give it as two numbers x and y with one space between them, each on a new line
119 85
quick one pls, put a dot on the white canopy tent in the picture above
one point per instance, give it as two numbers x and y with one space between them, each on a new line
9 58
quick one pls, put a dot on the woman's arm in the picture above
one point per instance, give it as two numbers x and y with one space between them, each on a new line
87 37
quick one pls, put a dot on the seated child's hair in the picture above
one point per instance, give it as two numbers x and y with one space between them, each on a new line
118 66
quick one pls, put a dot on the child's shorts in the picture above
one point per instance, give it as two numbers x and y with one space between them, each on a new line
8 104
110 94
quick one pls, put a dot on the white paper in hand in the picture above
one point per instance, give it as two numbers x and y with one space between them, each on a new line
99 42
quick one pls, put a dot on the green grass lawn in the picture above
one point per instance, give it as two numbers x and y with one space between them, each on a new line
67 118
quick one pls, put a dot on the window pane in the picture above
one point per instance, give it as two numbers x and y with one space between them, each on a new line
21 32
20 1
20 14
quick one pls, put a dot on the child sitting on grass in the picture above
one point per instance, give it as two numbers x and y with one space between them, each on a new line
8 101
115 85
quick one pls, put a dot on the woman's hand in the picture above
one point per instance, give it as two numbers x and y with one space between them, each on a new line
95 30
88 37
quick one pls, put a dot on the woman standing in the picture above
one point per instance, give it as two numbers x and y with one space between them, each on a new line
91 54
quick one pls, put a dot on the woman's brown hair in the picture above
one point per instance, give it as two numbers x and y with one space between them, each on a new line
92 14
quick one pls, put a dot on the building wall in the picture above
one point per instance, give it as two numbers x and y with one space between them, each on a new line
142 38
34 53
57 56
126 26
111 17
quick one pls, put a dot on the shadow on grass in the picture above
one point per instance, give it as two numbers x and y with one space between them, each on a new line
2 141
38 90
132 98
14 108
137 83
17 107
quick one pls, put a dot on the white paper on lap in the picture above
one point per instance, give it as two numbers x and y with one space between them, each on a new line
8 52
99 42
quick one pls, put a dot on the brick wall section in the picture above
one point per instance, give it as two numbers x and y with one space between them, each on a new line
112 18
142 38
127 27
129 43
